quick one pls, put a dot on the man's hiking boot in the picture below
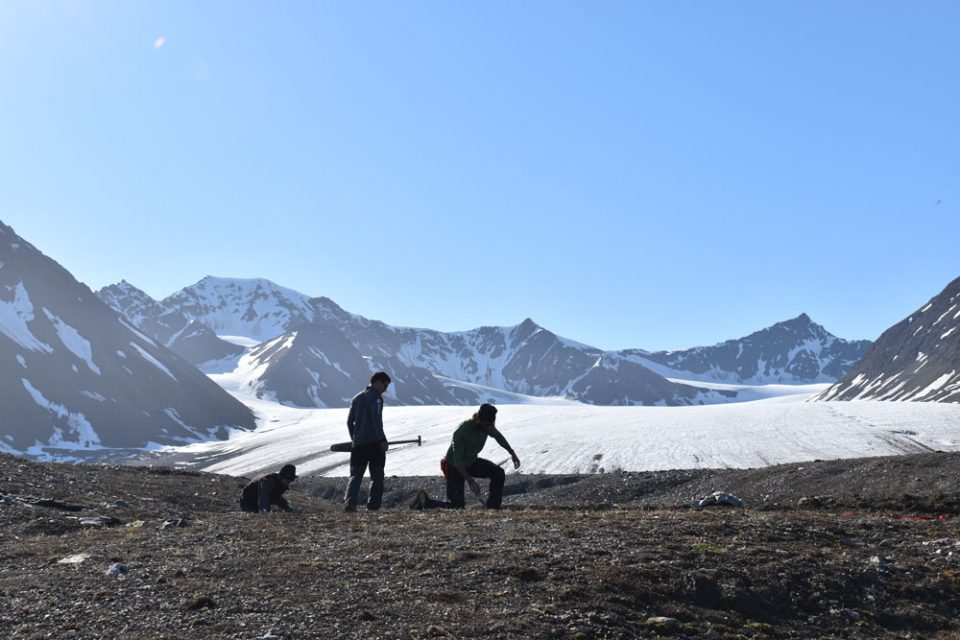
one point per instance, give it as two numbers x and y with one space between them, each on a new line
350 508
420 502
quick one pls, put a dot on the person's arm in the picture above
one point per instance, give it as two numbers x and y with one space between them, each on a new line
502 441
351 417
376 412
283 504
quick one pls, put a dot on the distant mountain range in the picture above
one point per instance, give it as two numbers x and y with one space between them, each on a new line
314 354
77 376
797 351
916 359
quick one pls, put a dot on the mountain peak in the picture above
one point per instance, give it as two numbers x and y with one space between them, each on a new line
217 281
252 307
802 319
527 328
793 351
245 286
802 322
123 285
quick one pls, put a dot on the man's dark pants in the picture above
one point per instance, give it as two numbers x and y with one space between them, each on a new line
374 456
479 469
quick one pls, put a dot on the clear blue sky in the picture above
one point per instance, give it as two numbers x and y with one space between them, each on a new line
628 174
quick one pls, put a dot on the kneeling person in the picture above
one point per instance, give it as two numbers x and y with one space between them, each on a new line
463 463
267 490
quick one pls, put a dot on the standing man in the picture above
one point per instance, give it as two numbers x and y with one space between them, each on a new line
365 423
267 490
463 464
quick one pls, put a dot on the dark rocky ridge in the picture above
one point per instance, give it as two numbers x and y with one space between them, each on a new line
869 557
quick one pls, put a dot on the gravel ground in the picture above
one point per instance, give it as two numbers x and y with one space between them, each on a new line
841 549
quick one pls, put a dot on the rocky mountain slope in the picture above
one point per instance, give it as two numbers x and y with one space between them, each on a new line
159 553
77 377
917 359
797 351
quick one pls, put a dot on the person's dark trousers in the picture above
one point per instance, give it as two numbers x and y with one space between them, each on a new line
372 455
479 469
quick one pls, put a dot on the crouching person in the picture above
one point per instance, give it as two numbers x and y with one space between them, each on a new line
267 490
462 463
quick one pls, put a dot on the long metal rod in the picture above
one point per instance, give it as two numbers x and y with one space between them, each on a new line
348 446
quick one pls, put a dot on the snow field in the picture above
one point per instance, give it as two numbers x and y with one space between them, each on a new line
565 438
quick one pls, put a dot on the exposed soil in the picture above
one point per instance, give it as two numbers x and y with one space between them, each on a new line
841 549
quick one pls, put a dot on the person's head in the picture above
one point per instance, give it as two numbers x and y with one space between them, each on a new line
288 473
380 381
486 416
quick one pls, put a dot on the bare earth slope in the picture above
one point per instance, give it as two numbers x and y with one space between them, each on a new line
873 554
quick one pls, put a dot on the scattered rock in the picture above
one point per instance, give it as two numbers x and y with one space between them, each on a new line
76 558
99 521
720 499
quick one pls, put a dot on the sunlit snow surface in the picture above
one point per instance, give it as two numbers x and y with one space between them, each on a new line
579 438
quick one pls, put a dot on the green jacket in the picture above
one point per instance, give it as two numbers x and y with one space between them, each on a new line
468 441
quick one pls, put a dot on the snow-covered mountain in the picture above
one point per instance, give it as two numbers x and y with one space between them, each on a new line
76 376
797 351
254 308
188 338
316 354
916 359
